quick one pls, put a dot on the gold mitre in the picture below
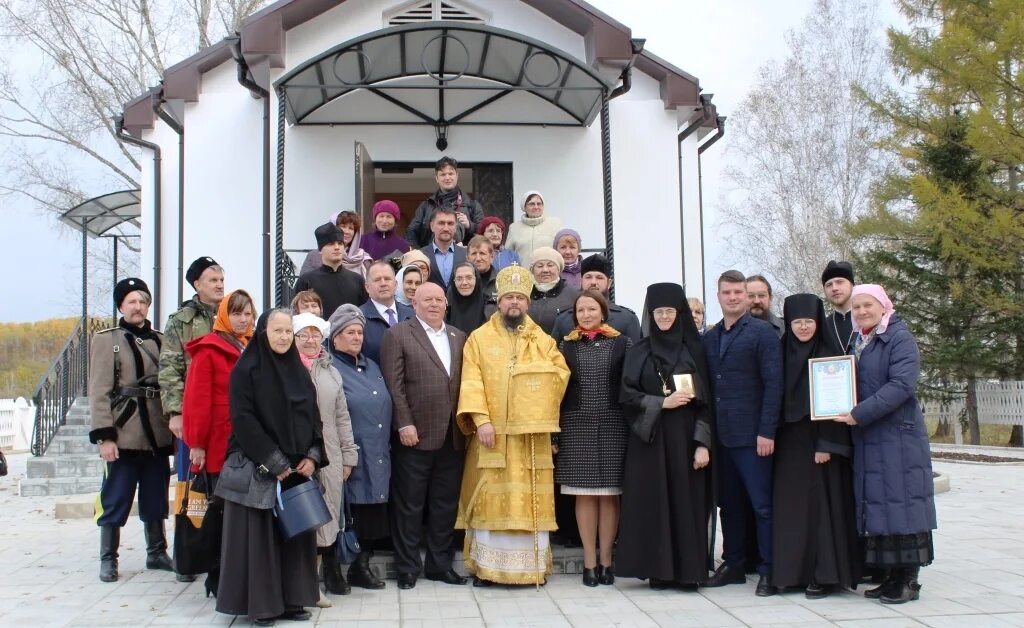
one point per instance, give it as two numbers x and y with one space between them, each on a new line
514 278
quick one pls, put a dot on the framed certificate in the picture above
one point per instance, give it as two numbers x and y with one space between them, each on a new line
833 384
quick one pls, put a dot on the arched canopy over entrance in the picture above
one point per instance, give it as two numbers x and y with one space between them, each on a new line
96 216
443 73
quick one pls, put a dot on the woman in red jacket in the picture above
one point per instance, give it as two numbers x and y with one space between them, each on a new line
206 421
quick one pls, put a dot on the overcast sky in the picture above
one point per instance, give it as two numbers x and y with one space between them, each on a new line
722 43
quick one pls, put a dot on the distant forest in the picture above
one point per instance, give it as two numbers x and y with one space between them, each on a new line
27 350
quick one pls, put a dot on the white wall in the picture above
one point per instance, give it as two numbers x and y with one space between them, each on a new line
645 191
223 181
167 139
693 254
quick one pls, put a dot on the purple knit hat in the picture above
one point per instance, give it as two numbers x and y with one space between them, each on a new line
390 207
567 232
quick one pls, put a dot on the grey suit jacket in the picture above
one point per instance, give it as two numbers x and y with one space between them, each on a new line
422 393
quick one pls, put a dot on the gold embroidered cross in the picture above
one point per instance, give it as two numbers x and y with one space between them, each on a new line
533 384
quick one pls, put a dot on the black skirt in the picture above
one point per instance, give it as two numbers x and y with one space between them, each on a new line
899 550
260 574
370 521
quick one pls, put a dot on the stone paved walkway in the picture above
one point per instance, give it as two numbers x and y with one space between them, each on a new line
50 566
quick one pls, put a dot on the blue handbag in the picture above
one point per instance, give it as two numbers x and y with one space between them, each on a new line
347 546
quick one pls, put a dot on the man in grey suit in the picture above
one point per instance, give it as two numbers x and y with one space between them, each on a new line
422 363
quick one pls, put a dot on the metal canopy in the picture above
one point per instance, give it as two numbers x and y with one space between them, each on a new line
441 73
101 214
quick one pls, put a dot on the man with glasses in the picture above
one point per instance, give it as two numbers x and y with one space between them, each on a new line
745 366
382 310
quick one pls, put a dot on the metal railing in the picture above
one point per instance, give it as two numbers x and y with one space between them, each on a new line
65 380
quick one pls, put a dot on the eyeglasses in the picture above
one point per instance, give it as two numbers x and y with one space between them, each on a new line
304 337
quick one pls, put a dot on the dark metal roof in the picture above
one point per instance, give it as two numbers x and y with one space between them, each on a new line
100 214
442 73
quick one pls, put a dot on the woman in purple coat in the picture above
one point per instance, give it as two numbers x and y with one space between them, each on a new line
892 466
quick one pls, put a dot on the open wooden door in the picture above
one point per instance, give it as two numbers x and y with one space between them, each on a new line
365 193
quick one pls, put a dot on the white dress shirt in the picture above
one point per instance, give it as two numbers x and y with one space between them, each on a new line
441 345
383 309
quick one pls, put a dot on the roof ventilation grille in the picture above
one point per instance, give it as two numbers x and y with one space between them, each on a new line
417 12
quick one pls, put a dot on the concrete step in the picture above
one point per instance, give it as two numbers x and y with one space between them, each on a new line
76 430
70 445
87 466
78 420
49 487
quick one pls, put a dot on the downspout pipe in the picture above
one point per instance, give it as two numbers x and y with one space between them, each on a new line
720 121
125 137
626 78
257 91
177 127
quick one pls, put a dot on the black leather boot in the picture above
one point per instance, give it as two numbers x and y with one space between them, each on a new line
334 580
607 576
360 574
156 547
888 581
590 577
110 539
906 588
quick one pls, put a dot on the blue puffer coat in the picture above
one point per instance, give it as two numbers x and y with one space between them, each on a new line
892 461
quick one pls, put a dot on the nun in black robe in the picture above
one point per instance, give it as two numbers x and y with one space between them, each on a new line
275 428
466 312
666 501
815 536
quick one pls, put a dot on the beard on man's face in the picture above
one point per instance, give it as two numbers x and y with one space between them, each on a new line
513 321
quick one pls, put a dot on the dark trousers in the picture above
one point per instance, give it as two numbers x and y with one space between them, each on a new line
430 481
745 481
120 479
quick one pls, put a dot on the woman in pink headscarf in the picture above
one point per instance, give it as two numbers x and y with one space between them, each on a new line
891 458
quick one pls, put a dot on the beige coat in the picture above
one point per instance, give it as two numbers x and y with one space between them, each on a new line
525 239
339 444
131 435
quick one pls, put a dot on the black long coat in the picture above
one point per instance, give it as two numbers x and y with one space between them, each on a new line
666 504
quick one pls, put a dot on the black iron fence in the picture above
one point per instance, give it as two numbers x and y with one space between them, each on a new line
65 380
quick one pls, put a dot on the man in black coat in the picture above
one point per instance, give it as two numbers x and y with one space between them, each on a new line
596 274
334 284
745 365
468 212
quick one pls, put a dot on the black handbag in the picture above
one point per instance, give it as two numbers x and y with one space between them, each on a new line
197 547
347 547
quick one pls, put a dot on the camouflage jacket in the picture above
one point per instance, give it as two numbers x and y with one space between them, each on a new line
192 320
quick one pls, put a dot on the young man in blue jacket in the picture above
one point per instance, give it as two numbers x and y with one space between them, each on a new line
745 364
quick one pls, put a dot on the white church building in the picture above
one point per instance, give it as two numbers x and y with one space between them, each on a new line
323 105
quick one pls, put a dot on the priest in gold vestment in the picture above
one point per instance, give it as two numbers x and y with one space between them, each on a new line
513 379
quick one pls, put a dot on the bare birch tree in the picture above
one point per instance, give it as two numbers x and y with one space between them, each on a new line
89 58
803 151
